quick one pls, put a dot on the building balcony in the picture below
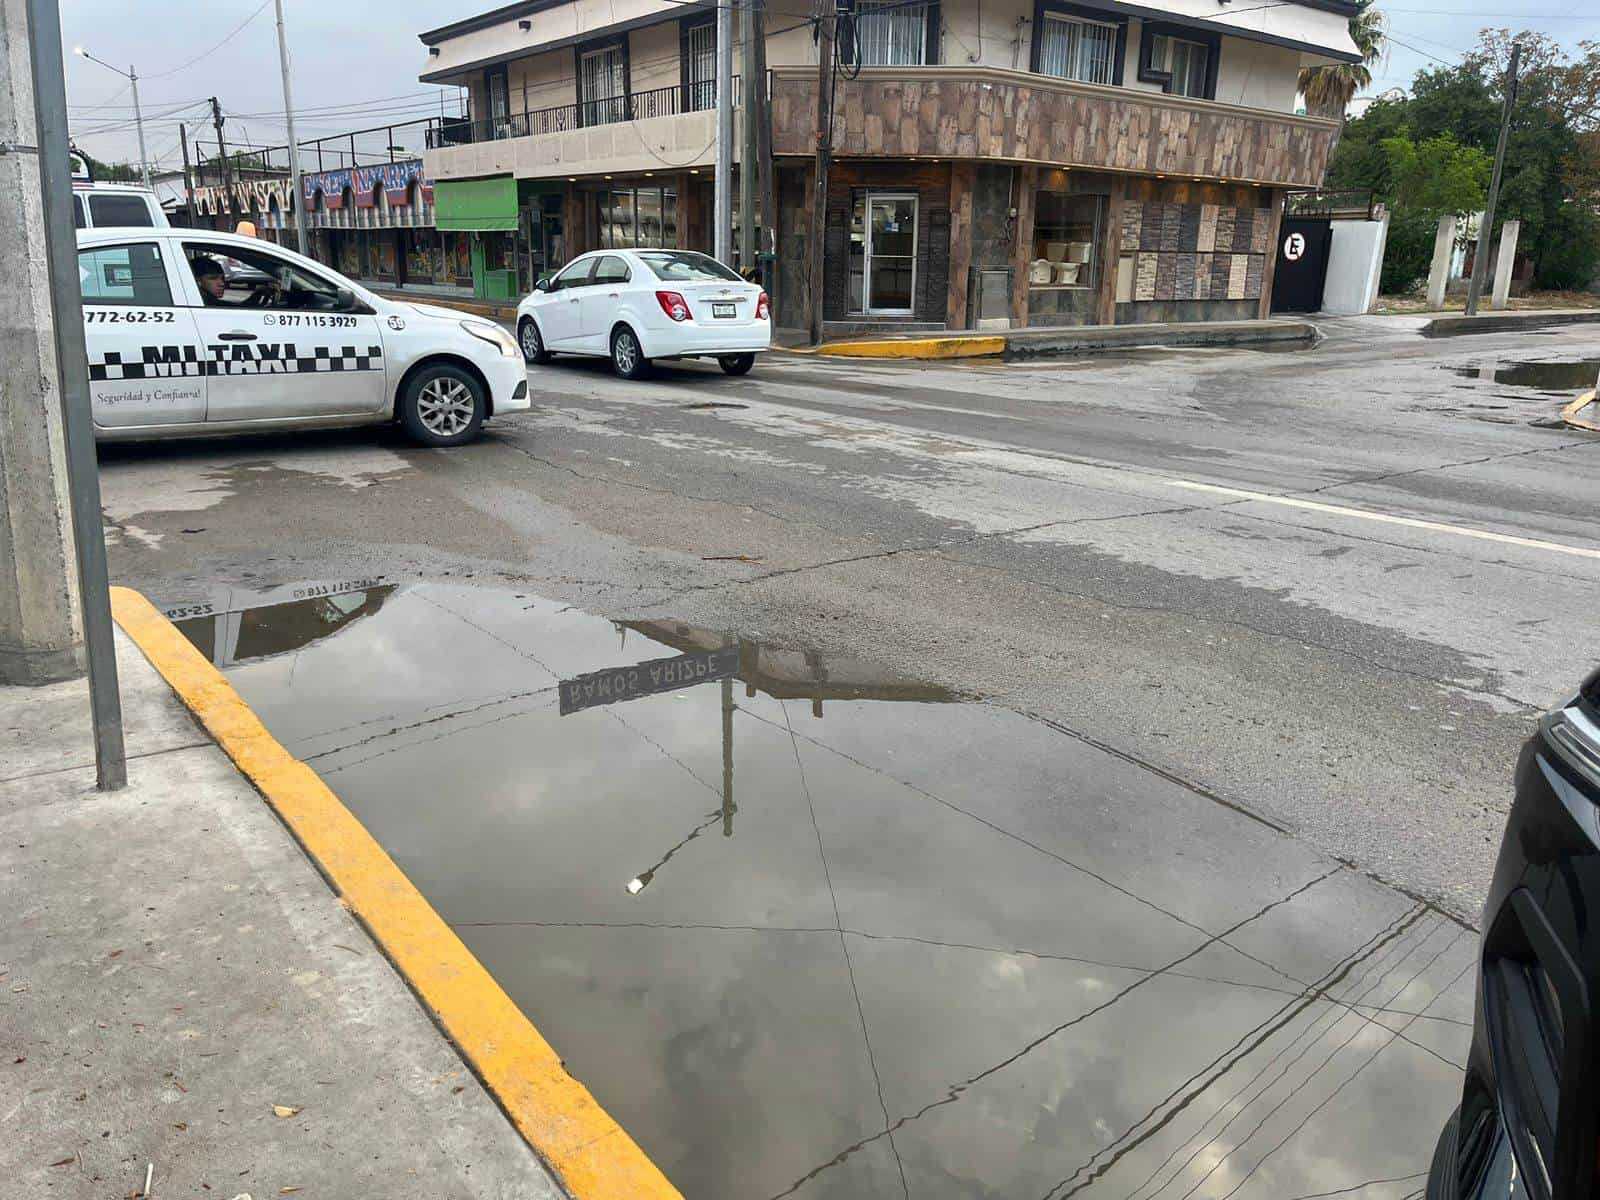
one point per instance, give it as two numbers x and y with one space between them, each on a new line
662 129
974 112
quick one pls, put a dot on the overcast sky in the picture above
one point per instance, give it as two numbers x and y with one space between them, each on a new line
362 70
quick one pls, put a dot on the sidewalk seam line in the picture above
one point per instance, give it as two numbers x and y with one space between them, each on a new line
552 1111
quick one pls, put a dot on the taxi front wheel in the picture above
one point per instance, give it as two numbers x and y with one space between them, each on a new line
443 405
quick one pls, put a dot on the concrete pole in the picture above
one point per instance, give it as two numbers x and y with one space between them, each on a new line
1444 243
39 628
1480 259
294 146
1504 264
138 123
827 11
749 146
722 222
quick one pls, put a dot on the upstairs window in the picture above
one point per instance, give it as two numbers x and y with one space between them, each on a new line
1183 67
1070 48
892 33
700 66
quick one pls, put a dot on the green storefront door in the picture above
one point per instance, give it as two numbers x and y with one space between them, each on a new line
486 208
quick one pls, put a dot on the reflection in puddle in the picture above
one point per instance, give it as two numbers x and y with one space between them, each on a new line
1551 376
809 927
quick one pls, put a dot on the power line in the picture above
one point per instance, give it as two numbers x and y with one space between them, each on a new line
237 30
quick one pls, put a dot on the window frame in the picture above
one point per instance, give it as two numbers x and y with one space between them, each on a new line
687 83
1079 12
191 246
593 46
1149 73
932 34
173 293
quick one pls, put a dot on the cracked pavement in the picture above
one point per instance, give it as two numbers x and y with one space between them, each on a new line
1028 533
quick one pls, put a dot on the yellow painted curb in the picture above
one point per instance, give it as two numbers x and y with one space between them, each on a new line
593 1156
935 347
1569 414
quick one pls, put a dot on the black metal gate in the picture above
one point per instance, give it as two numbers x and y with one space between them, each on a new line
1303 245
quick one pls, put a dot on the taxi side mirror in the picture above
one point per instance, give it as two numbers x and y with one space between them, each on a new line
542 284
345 301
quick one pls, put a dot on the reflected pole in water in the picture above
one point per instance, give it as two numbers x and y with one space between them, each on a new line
728 806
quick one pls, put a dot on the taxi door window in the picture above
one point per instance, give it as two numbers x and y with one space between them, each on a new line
119 210
260 280
132 274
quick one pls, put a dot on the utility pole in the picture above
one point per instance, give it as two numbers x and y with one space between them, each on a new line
132 77
768 204
819 192
51 532
188 182
749 146
722 189
294 146
222 153
1480 259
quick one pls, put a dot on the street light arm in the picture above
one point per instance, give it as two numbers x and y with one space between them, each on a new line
82 53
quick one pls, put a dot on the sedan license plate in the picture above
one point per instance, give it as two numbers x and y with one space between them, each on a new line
724 309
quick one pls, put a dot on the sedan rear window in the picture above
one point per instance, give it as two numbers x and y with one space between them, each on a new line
685 266
119 210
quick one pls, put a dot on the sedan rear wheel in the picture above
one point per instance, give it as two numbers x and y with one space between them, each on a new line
532 344
443 405
627 356
737 364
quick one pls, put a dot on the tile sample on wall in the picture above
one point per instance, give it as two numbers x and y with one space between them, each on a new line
1260 231
1189 227
1125 274
1253 272
1166 263
1238 265
1219 276
1202 276
1132 215
1171 219
1243 220
1144 280
1183 276
1206 241
1225 220
1150 227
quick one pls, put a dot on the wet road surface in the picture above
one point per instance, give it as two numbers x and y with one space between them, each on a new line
1333 587
822 929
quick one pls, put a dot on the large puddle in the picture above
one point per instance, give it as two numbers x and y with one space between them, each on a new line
1541 376
808 928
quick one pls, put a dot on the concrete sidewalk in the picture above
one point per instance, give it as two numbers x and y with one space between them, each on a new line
179 989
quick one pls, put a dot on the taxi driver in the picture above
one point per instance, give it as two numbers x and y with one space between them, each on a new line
213 283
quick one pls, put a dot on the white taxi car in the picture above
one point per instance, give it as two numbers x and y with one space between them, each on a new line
637 305
175 350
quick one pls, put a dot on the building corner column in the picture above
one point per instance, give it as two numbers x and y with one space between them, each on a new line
1269 269
40 631
1027 182
963 179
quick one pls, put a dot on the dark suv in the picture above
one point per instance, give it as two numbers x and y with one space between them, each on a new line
1527 1124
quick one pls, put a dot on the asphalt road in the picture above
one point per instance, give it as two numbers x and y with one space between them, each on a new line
1332 589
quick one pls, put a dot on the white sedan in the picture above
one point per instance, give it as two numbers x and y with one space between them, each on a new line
633 306
177 349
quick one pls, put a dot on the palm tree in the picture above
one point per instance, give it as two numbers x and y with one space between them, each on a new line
1328 89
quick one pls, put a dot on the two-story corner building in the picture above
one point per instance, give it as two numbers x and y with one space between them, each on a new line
996 162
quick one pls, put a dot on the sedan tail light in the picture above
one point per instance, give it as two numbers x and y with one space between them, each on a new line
674 305
763 309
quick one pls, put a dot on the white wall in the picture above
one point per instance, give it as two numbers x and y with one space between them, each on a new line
1257 75
987 33
1355 261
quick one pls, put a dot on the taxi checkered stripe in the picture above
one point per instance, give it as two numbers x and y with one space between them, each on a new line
166 362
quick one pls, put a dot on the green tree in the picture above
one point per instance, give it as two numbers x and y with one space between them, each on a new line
1328 89
1439 175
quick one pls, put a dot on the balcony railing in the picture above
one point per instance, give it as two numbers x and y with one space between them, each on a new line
636 106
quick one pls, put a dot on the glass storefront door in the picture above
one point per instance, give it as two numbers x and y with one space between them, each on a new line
883 253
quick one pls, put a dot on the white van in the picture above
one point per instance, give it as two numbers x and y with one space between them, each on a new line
96 205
